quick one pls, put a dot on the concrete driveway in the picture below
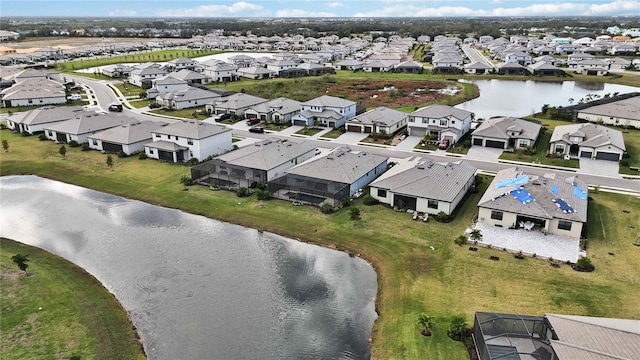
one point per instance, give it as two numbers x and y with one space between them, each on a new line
408 143
351 138
599 167
484 153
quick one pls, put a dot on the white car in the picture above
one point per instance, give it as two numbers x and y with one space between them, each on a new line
75 97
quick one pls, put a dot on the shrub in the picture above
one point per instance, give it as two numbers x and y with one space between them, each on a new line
193 161
584 264
346 201
73 143
42 137
243 192
442 217
354 213
143 156
263 194
186 180
326 208
85 147
121 154
457 327
369 200
460 240
25 133
3 126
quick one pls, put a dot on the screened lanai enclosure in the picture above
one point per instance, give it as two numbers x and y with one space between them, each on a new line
312 191
225 176
512 337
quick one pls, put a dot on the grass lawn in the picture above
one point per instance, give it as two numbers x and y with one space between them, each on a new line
140 103
184 113
335 133
128 89
380 141
632 143
309 131
78 317
412 278
274 127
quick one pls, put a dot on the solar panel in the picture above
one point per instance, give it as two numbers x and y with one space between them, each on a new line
520 180
563 206
555 189
579 192
522 195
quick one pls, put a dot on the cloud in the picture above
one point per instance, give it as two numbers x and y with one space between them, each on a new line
336 4
236 9
297 13
119 12
618 7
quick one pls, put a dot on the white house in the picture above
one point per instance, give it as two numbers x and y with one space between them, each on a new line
187 98
80 128
36 120
325 110
446 122
128 138
506 132
164 85
279 110
34 92
256 72
146 73
235 104
587 141
222 72
378 120
618 113
187 140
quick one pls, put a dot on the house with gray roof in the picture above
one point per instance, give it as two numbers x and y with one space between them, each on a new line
329 178
146 73
478 67
128 138
166 84
191 77
187 98
544 69
412 67
511 69
624 112
187 140
555 337
34 92
221 71
325 110
552 203
378 66
313 69
349 64
258 163
443 121
423 185
279 110
182 63
379 120
36 120
256 72
506 133
235 104
587 141
81 127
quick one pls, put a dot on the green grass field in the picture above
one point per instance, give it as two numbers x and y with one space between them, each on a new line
78 317
412 278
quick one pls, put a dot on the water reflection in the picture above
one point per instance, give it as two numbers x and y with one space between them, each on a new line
198 288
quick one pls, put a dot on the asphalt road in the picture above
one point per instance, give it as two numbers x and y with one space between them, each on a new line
474 55
106 96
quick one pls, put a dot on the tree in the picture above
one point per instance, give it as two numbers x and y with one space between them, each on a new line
457 327
110 162
476 235
21 261
63 151
5 145
354 213
426 323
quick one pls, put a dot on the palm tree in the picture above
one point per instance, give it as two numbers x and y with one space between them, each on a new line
476 235
426 323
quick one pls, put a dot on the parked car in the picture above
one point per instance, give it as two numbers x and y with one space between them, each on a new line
221 117
154 105
444 144
115 107
253 121
256 129
74 97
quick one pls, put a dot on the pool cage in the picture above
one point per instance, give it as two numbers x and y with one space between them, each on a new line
220 174
512 337
308 190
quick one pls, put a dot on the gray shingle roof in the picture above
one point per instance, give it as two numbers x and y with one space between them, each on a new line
332 101
593 135
89 123
380 116
192 129
426 179
34 88
191 93
441 111
624 109
340 165
48 114
238 101
541 188
325 114
129 133
501 127
266 154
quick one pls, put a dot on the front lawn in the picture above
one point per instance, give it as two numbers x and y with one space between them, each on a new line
335 133
274 127
419 267
198 113
309 131
129 89
632 143
140 103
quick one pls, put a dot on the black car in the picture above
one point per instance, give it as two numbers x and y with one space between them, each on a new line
115 107
256 129
154 106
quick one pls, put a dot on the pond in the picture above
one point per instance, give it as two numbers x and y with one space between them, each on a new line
197 288
521 98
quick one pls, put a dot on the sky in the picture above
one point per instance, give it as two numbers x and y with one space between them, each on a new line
316 8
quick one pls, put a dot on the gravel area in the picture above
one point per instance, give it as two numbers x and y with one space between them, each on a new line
531 242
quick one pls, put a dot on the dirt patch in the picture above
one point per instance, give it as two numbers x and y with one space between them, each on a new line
32 44
392 93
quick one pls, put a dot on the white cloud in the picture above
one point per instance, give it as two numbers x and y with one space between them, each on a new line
336 5
119 12
302 13
618 7
235 9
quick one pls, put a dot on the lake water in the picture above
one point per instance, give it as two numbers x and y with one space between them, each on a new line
197 288
521 98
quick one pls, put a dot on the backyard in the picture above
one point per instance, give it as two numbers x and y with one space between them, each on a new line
419 267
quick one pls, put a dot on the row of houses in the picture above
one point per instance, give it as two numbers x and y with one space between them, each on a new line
31 87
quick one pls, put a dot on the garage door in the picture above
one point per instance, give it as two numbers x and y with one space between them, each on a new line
607 156
477 141
417 131
586 154
299 122
354 128
494 144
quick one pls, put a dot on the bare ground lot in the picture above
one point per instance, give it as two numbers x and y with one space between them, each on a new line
32 44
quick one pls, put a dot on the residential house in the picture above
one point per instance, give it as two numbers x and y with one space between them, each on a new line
478 67
329 178
187 140
128 138
617 63
33 74
412 67
313 69
34 92
279 110
622 49
256 72
279 65
443 121
187 98
553 336
116 70
240 60
589 64
191 77
349 65
222 72
144 74
80 128
506 133
36 120
379 120
378 66
511 69
182 63
624 112
164 85
326 111
545 69
566 49
447 64
423 185
258 163
235 104
587 141
579 56
520 57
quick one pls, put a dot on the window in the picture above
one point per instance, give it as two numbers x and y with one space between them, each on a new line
425 121
382 193
443 122
189 141
412 119
496 215
95 142
151 151
523 143
158 135
559 149
564 225
432 204
453 121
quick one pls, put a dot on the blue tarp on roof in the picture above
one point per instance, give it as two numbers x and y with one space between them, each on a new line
563 206
522 195
555 189
579 192
520 180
